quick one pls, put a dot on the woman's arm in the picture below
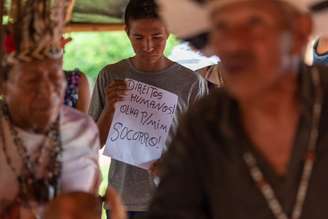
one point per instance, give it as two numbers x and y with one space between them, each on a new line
84 94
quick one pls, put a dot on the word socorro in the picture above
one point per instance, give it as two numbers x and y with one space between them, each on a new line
122 132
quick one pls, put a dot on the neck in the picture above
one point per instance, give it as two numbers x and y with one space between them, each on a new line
270 120
25 125
277 100
34 130
146 66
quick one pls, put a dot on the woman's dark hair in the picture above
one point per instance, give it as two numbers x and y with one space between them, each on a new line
141 9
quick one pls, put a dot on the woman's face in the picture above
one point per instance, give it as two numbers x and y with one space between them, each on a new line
148 38
34 93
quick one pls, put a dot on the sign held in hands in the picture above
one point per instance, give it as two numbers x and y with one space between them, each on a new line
141 124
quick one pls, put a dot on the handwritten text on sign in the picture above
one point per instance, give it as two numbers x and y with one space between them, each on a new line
141 124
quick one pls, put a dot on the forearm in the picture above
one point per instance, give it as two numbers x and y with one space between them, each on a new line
82 105
83 101
104 122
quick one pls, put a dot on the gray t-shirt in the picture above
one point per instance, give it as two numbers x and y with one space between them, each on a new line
135 185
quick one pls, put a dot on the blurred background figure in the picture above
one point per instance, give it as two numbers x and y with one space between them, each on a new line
77 94
213 75
208 67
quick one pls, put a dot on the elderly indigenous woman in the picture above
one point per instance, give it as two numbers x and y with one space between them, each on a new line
45 148
258 147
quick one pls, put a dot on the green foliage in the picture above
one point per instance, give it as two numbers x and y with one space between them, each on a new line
5 20
90 52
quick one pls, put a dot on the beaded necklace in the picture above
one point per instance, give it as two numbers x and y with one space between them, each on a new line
264 186
31 187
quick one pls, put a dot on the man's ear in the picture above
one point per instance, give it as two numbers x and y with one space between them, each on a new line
302 29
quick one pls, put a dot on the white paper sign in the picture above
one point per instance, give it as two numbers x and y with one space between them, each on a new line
141 124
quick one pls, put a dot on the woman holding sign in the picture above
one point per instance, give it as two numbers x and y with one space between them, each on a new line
152 78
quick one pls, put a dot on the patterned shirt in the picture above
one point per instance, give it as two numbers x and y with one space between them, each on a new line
72 89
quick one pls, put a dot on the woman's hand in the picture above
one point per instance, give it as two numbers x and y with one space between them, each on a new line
115 93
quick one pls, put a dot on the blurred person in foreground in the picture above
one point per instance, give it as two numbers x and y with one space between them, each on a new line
258 147
74 205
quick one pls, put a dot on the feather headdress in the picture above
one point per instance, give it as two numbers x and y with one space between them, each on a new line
36 30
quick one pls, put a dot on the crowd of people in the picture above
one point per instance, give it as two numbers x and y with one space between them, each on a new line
251 145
